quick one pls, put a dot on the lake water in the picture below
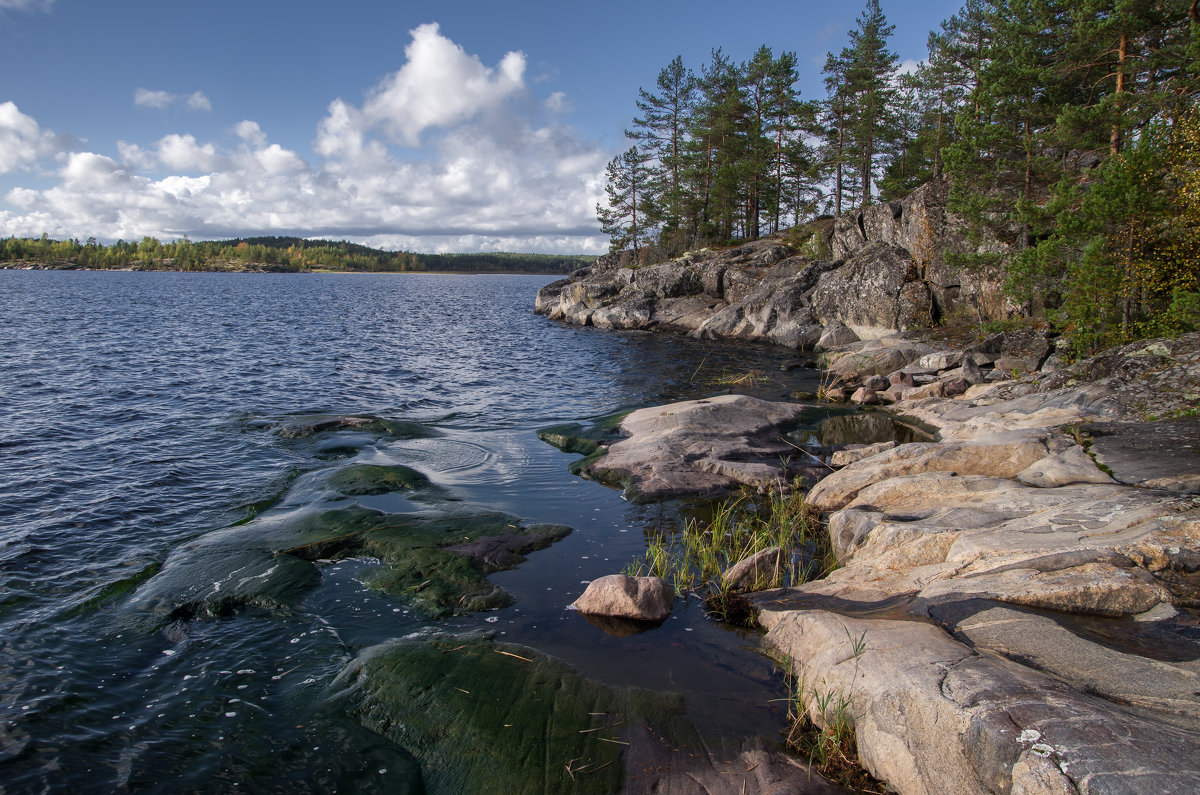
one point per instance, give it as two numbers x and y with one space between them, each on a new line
138 415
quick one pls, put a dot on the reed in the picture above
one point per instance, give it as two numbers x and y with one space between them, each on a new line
694 559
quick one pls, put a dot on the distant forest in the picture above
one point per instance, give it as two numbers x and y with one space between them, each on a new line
1069 131
270 254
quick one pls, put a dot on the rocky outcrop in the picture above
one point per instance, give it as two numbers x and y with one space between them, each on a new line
696 448
887 273
1009 615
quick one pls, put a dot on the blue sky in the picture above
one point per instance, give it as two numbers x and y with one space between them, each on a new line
452 126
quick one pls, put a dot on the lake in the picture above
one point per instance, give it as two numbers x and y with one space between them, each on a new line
141 413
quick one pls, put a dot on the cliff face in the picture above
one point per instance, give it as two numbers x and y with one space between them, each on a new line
883 271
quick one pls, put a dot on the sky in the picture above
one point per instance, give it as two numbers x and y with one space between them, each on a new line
433 127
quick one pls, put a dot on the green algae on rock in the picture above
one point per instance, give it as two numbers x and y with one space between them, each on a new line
482 716
309 425
486 717
369 479
437 562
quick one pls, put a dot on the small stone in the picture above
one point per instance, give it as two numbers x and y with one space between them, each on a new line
901 378
877 383
864 397
935 389
955 387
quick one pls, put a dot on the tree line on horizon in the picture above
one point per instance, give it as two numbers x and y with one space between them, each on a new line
283 254
1067 130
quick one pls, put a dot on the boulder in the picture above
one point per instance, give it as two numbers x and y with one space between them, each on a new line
872 293
835 335
753 572
622 596
877 383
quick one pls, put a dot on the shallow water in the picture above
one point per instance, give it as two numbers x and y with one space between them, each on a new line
139 415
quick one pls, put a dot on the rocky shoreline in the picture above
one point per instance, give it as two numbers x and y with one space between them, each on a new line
860 276
1015 607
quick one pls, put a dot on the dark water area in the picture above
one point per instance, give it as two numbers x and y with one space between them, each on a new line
139 415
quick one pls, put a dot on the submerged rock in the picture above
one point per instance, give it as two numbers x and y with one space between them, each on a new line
437 561
368 479
481 716
306 426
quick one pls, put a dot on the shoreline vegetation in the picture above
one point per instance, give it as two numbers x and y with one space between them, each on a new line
265 255
1066 134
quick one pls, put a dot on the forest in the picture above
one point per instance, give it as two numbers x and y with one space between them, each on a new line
275 254
1068 132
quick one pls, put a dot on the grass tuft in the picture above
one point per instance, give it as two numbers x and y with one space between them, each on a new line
694 560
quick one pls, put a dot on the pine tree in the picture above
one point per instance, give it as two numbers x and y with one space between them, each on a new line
661 131
624 220
869 77
835 118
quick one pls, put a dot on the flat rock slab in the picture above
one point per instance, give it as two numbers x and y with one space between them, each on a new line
1159 455
703 447
1007 616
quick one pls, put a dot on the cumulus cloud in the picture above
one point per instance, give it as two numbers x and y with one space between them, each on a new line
198 101
145 98
183 153
488 174
22 141
439 85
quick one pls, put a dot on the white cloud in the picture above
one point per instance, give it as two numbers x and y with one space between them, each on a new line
198 101
487 175
557 102
22 141
182 153
440 85
909 66
26 5
250 132
145 98
160 100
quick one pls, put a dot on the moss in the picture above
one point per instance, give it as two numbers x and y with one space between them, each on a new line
436 563
365 479
307 426
486 717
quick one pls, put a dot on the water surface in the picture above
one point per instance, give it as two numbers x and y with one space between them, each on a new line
138 416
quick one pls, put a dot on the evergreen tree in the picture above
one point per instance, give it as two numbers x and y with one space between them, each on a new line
835 118
624 220
870 76
661 131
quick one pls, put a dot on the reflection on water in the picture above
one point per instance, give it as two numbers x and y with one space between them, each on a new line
140 415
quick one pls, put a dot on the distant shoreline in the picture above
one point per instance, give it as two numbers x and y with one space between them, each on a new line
8 266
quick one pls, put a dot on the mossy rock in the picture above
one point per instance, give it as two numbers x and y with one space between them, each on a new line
367 479
310 425
588 440
436 562
486 717
584 439
215 581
